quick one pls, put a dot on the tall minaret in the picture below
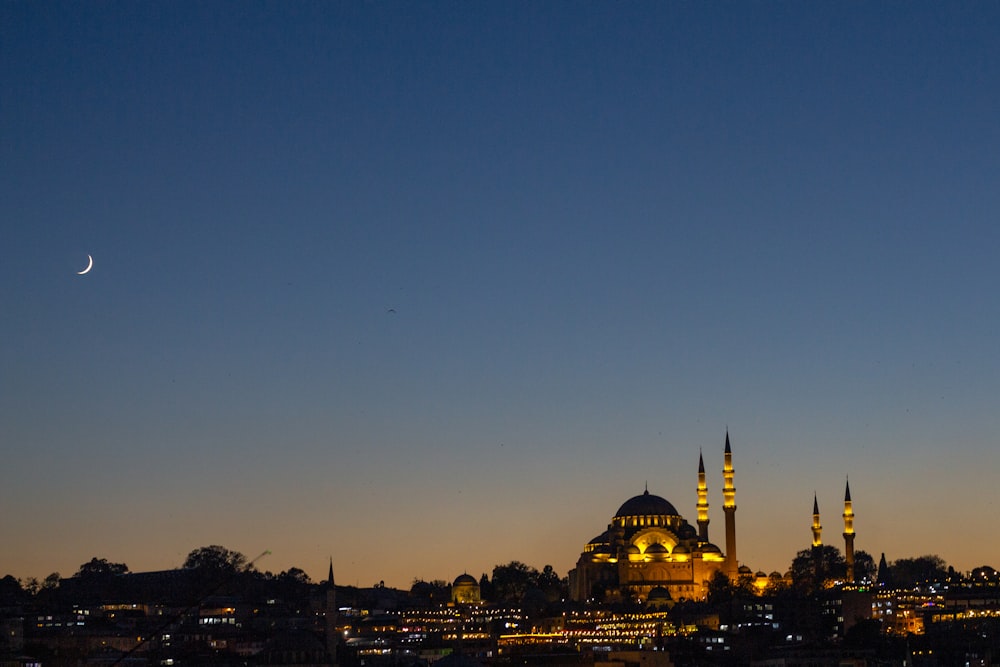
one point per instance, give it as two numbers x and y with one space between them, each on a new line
817 527
702 501
332 612
849 533
729 508
817 548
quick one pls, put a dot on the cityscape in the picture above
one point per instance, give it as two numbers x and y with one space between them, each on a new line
506 332
651 590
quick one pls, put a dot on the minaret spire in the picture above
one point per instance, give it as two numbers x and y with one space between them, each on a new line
817 527
702 501
849 532
817 548
729 509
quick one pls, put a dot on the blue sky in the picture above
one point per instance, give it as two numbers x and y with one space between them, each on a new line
431 287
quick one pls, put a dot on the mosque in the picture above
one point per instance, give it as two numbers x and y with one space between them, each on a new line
649 548
650 553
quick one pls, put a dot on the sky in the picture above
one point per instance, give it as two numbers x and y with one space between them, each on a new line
429 287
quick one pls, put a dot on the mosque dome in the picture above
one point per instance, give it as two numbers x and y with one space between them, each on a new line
645 505
465 580
656 549
603 538
658 593
465 590
659 598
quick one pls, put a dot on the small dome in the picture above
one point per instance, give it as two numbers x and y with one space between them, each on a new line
632 549
465 580
656 548
745 570
761 574
603 538
681 549
658 593
645 505
710 548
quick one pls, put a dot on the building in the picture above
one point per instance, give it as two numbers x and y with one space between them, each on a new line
465 590
648 545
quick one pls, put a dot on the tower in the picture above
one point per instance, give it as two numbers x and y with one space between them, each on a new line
729 508
849 533
332 638
702 501
817 527
817 548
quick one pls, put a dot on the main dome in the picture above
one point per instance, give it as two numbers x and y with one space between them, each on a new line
645 505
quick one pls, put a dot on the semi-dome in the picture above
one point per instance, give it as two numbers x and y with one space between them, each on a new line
645 505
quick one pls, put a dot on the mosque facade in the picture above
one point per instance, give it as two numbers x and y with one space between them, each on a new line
649 551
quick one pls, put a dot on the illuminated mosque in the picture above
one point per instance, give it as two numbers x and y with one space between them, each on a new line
649 551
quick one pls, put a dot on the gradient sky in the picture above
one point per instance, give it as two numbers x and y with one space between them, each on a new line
428 287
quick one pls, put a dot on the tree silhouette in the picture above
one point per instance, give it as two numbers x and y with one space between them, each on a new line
512 581
832 567
910 572
217 559
100 567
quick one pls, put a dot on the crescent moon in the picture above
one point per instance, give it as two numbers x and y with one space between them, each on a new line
90 265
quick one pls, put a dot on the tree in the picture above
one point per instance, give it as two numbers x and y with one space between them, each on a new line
11 592
51 582
100 567
217 559
723 591
728 597
910 572
804 572
485 587
550 584
295 575
512 581
864 566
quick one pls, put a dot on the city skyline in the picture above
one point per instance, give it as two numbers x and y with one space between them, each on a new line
431 288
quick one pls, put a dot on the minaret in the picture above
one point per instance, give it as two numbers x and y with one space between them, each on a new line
817 548
849 533
332 612
729 508
817 527
702 501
